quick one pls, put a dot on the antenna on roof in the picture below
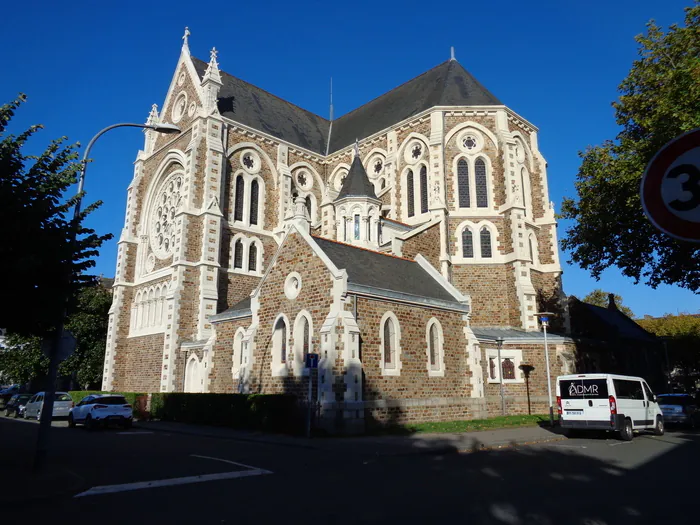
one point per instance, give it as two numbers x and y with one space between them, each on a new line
452 53
330 126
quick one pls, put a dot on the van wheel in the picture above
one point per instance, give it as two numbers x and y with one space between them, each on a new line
627 433
659 427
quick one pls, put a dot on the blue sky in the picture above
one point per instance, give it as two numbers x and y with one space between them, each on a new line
86 65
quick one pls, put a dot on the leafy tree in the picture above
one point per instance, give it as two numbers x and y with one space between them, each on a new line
89 325
23 360
599 297
658 101
39 268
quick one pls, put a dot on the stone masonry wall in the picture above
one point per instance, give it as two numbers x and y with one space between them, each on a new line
426 243
220 372
490 287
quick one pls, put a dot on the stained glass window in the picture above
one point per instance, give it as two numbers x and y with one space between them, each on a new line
306 342
389 343
409 192
252 257
524 189
433 347
238 254
508 369
238 208
463 183
482 199
424 190
467 244
485 238
254 191
357 227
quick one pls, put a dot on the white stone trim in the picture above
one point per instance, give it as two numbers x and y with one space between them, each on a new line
246 242
395 369
506 353
231 151
418 215
194 79
292 285
279 368
437 370
475 228
473 352
341 169
149 310
237 356
194 379
447 285
247 200
481 130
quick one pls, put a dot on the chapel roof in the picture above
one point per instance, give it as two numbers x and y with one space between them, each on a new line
447 84
384 272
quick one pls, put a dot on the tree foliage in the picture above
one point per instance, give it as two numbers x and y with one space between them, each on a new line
599 297
23 359
39 267
658 102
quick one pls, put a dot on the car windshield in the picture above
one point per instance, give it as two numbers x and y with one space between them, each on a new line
675 400
63 397
112 400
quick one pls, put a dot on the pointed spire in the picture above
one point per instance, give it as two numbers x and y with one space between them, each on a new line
357 183
153 115
212 73
185 40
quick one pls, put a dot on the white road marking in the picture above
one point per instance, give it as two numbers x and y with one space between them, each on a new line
108 489
134 433
230 462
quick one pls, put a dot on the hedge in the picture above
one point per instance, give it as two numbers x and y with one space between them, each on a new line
269 412
131 398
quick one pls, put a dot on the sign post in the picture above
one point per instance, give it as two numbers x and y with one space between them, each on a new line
670 188
311 364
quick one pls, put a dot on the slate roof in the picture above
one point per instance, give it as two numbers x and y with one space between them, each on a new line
356 183
606 323
367 268
510 334
447 84
240 309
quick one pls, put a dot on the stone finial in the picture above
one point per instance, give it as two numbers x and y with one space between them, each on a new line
212 73
153 115
452 53
357 148
185 40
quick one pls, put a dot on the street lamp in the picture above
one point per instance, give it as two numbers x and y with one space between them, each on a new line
499 344
49 394
544 319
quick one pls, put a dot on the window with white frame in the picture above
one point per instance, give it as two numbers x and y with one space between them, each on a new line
463 183
280 346
246 256
511 361
247 200
390 345
254 197
485 242
148 310
423 189
481 183
410 194
467 243
238 353
473 179
435 348
475 241
302 341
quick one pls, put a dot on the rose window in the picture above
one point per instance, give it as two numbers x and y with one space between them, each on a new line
378 166
248 161
416 152
469 142
165 207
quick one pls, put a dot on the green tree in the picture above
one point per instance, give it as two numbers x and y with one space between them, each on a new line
38 266
599 297
89 325
658 101
23 360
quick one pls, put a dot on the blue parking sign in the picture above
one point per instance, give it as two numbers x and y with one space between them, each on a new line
311 360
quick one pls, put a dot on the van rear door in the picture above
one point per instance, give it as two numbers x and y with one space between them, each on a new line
585 400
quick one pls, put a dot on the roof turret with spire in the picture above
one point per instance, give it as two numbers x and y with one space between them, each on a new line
356 183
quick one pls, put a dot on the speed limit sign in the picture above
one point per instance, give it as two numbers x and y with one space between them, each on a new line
670 188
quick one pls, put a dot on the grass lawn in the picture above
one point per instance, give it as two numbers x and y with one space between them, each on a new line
479 424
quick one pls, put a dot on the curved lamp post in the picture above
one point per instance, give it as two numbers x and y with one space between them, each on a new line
49 394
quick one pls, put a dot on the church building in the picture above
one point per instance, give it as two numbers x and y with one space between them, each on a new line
404 242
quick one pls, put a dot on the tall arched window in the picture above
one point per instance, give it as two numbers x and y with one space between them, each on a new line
433 347
410 193
307 203
252 257
480 184
307 342
467 244
238 200
485 239
238 349
532 253
280 340
254 196
463 183
424 190
238 254
389 344
525 190
356 228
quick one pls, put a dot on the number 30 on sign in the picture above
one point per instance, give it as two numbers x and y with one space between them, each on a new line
670 189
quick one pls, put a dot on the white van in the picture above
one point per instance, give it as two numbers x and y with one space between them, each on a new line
608 402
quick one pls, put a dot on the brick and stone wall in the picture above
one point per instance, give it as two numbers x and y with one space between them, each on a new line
220 376
426 243
492 290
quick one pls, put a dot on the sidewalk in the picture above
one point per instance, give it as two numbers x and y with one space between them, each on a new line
374 445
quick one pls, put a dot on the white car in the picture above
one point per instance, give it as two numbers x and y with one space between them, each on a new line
62 405
623 404
101 409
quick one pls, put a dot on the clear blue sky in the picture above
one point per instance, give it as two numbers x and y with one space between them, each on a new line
85 65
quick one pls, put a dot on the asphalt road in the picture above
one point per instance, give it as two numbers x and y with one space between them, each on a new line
574 482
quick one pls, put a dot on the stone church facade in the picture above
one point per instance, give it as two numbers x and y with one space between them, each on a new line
398 242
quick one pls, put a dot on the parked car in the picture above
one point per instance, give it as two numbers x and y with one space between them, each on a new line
680 408
623 404
16 405
7 393
101 409
61 405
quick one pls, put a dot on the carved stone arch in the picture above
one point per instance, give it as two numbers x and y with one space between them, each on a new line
411 136
374 152
528 150
494 236
469 124
172 157
230 152
298 338
305 165
335 173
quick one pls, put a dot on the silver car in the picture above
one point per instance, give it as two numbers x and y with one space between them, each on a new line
61 405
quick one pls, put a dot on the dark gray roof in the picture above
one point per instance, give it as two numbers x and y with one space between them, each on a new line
384 272
614 322
240 309
255 107
447 84
356 183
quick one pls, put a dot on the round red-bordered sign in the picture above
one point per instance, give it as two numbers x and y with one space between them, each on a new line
670 189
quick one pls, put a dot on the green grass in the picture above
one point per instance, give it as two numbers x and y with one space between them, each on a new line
494 423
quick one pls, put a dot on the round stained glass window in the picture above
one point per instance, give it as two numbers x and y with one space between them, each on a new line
166 205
